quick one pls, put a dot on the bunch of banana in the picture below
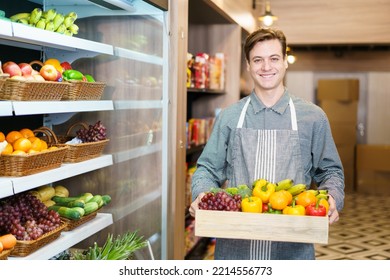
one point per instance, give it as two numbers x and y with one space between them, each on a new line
49 20
322 194
284 184
297 189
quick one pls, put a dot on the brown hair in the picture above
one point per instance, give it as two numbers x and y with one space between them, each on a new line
264 34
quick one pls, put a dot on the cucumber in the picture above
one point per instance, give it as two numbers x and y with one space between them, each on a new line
106 199
86 197
66 212
98 199
80 210
59 200
90 207
75 203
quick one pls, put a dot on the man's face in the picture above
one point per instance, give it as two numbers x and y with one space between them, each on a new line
266 65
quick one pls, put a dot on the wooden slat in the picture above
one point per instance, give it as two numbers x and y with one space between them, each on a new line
274 227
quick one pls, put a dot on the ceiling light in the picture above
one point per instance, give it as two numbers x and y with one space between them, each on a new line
268 18
291 58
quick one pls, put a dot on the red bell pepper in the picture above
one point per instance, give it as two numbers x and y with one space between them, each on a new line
316 209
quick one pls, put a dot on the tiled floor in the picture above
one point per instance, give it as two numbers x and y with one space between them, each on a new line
363 231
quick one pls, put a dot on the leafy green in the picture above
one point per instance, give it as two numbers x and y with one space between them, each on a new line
119 248
244 191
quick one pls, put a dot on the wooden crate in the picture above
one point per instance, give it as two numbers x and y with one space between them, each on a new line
274 227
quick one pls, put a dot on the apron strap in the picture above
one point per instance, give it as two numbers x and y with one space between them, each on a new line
243 112
294 123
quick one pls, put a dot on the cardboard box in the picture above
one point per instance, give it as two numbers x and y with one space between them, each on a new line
373 157
373 182
338 89
274 227
344 133
340 112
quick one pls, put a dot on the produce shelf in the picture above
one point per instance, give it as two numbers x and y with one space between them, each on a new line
32 107
136 153
35 36
5 28
69 238
5 187
5 108
21 184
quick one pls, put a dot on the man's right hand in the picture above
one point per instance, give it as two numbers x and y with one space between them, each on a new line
194 205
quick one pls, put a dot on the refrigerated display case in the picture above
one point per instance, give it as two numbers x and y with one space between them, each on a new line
123 44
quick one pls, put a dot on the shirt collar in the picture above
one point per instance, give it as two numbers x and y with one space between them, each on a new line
280 106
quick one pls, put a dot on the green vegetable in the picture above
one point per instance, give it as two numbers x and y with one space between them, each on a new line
98 199
119 248
86 197
75 203
63 201
90 207
106 199
66 212
72 74
80 210
244 191
89 78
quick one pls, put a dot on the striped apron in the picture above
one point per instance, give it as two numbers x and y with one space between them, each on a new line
273 155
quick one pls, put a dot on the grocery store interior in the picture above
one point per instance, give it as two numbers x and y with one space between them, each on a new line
151 111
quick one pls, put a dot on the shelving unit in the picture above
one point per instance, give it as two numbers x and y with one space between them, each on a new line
97 173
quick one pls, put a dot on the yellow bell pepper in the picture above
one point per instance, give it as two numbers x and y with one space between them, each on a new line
263 191
251 204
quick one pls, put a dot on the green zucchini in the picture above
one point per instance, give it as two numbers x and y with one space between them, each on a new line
90 207
80 210
106 199
59 200
86 197
98 199
75 203
66 212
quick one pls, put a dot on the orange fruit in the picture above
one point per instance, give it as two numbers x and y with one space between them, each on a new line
2 136
32 151
279 200
52 148
288 195
18 152
22 144
56 63
13 136
36 144
8 240
43 145
26 132
1 247
7 150
305 198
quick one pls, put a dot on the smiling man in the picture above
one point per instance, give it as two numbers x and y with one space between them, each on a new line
274 135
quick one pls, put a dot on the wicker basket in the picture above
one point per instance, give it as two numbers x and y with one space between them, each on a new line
82 151
72 224
4 255
24 248
34 91
23 165
79 90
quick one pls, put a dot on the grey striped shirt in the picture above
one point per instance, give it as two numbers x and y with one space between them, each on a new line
320 159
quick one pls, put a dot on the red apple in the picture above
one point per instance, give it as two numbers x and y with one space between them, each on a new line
48 72
59 76
18 78
12 69
38 78
29 77
25 68
66 65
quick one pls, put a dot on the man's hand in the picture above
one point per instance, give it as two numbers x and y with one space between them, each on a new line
332 213
194 204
